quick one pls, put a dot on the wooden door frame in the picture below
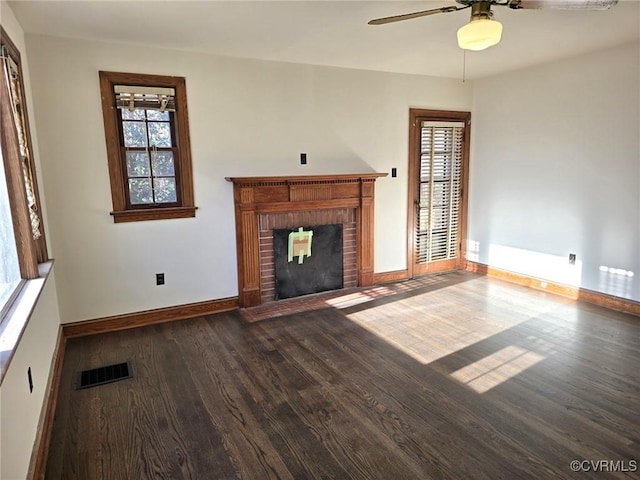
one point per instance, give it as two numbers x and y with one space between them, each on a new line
417 115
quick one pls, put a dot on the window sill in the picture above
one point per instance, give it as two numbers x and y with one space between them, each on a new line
18 316
153 214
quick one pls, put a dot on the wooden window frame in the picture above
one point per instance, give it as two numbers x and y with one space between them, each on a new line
31 252
33 258
122 210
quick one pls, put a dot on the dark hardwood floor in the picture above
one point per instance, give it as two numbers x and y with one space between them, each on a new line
453 376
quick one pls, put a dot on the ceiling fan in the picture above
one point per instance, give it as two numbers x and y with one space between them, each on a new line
482 32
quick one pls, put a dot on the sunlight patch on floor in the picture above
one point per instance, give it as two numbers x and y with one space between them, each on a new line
494 369
428 340
423 328
357 298
428 322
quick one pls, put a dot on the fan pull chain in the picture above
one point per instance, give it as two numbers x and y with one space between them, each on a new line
464 65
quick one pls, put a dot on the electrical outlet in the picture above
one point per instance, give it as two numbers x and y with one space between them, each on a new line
30 378
303 159
572 259
159 278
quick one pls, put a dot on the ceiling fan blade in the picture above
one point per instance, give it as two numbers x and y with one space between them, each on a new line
563 4
409 16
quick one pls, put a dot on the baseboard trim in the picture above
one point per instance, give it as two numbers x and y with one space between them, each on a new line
576 293
40 452
148 317
388 277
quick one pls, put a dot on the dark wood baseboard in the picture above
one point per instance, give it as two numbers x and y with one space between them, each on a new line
40 452
576 293
148 317
388 277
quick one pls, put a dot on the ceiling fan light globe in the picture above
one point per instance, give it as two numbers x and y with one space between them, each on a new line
479 34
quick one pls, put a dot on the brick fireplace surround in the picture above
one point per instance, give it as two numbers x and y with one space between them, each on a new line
266 203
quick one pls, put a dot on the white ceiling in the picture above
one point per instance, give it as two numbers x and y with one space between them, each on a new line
336 33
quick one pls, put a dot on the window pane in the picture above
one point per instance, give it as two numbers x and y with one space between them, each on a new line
138 164
159 134
136 114
157 115
9 267
135 134
165 190
140 190
162 163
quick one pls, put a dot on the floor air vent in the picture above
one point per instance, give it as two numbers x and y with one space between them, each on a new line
102 375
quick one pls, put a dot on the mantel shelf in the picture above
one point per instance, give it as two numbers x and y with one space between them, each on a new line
303 179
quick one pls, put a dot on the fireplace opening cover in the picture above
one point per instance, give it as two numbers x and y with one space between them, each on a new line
298 273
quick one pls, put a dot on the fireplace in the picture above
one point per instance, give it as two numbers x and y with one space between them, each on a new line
267 204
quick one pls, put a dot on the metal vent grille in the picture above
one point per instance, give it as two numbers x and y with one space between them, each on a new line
102 375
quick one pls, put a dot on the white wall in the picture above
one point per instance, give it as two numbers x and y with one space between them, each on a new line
19 409
246 117
555 169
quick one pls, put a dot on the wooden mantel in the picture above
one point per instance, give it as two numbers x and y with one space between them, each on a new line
254 196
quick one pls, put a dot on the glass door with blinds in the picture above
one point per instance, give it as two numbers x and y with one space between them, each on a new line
438 176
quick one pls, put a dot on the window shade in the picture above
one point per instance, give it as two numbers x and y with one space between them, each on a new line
438 207
145 98
11 81
11 65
